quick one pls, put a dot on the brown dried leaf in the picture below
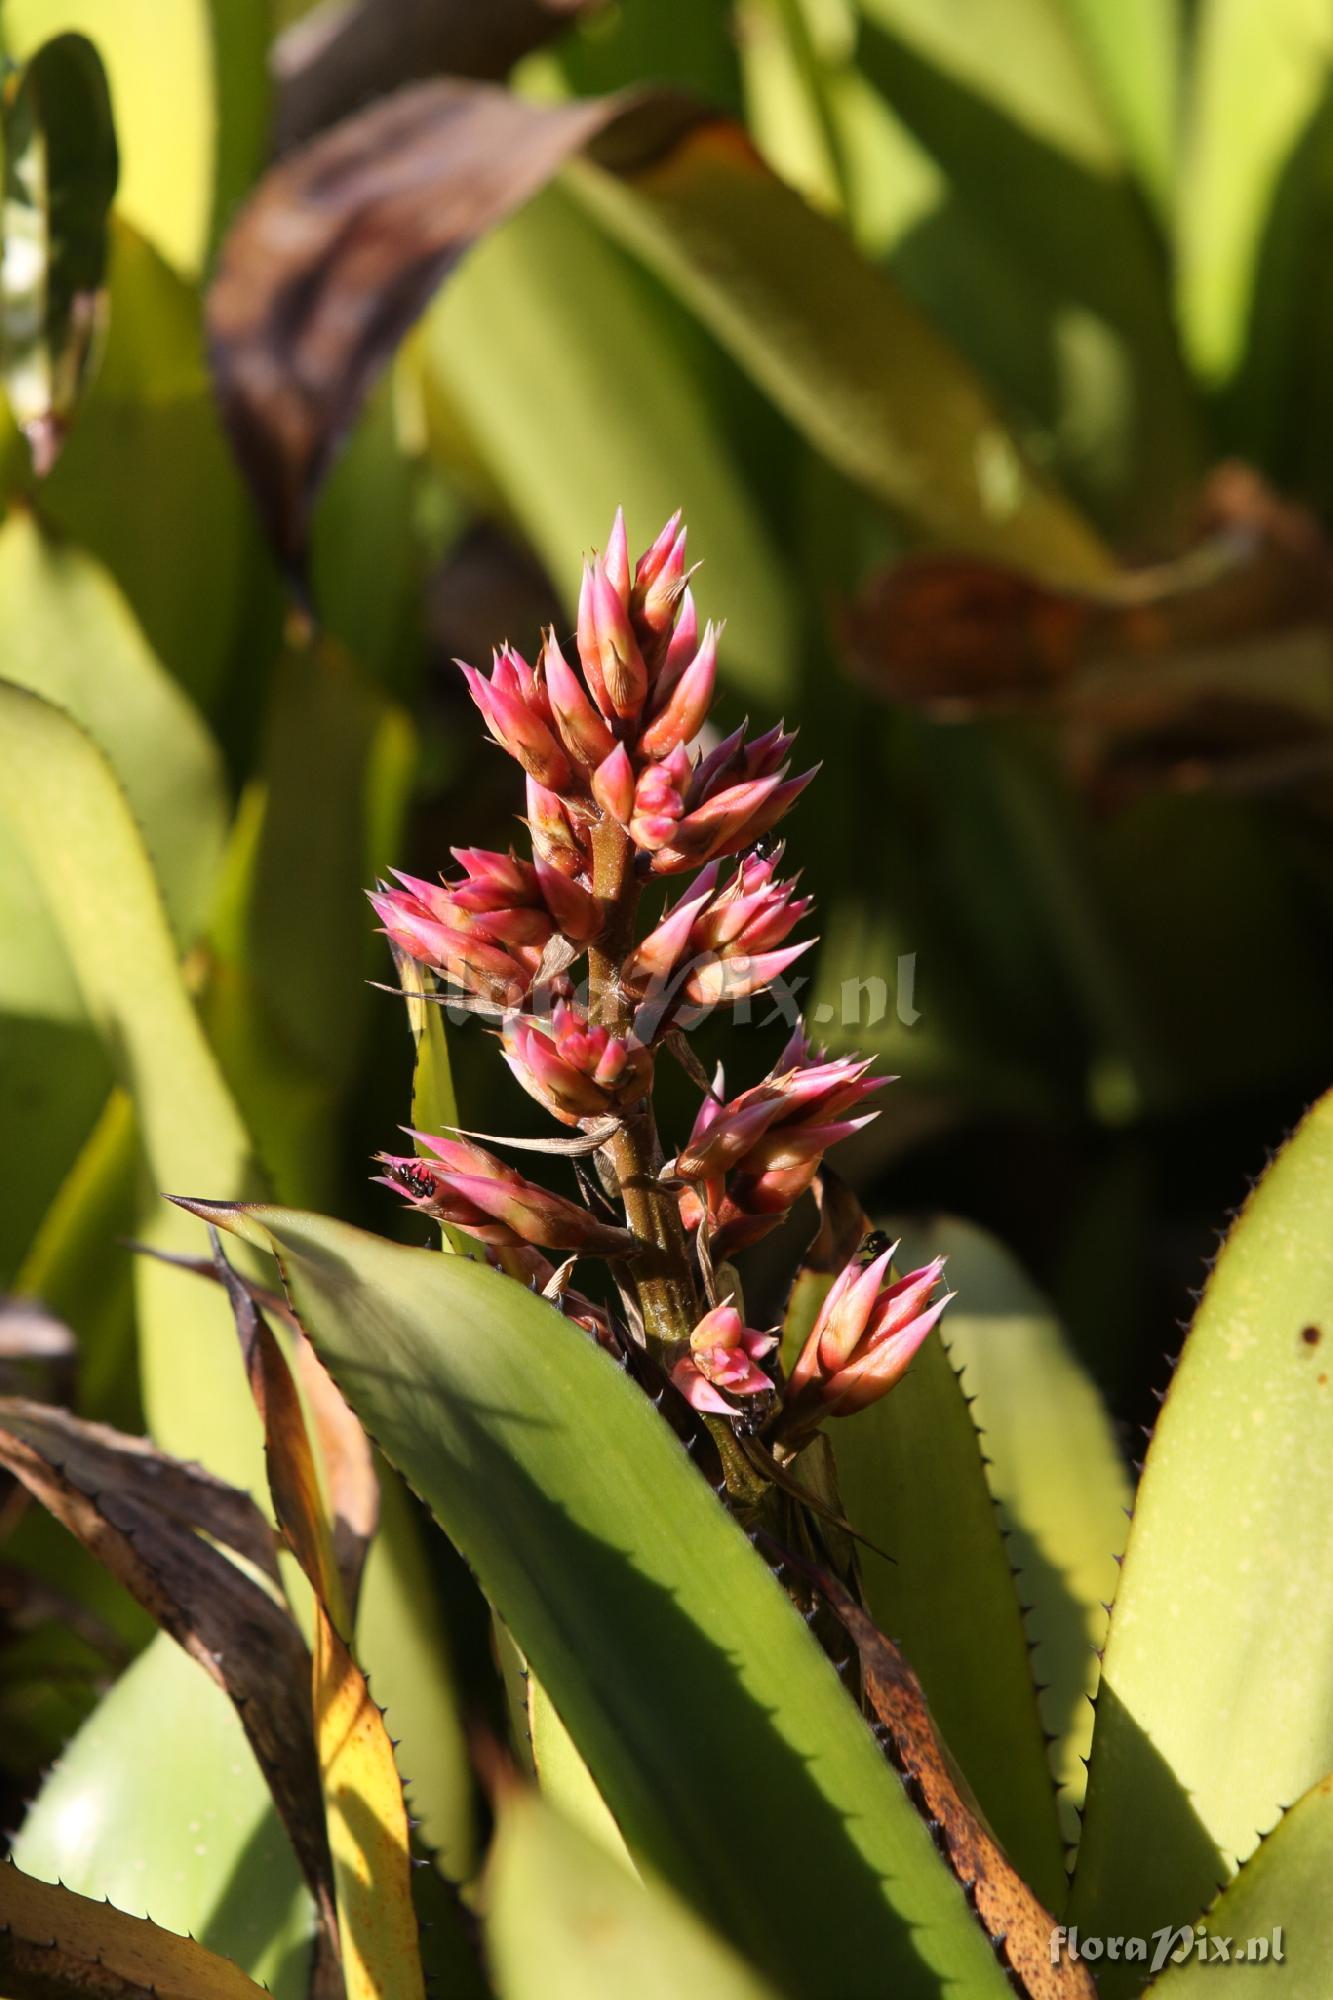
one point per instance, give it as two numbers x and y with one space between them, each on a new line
149 1519
339 251
955 634
346 1455
368 1830
339 57
55 1944
1013 1918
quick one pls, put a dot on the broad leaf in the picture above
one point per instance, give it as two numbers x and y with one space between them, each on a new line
1008 111
1216 1704
565 1922
1260 75
565 1779
1053 1469
618 1573
507 343
189 563
59 177
53 1942
684 192
177 1823
186 152
68 634
1277 1910
913 1482
81 841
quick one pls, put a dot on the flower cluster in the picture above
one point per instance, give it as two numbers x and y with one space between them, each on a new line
626 784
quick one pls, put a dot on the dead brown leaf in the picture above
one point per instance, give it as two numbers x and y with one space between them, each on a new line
1013 1918
156 1524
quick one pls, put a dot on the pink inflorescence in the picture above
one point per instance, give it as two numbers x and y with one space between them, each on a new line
612 733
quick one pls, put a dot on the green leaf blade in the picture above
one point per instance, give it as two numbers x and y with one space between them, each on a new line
619 1574
1217 1690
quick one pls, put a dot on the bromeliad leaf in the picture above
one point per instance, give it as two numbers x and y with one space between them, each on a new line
1276 1911
362 1793
300 325
60 171
565 1921
54 1943
1217 1682
148 1518
617 1571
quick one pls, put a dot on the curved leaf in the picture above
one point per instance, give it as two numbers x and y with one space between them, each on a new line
68 635
59 177
565 1922
82 843
1053 1469
189 562
845 358
913 1482
196 1844
620 1576
507 341
1277 1910
1216 1705
834 342
52 1942
188 151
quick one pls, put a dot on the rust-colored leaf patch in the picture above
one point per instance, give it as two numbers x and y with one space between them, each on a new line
1013 1918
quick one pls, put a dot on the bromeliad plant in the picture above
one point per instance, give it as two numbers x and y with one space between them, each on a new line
625 791
740 1786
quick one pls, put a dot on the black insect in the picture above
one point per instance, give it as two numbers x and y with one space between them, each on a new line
873 1244
416 1180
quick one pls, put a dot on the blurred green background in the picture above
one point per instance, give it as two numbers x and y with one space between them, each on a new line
1006 450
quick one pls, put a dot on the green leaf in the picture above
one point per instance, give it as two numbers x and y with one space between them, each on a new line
159 1806
1134 49
565 1922
1053 1469
59 177
1033 172
618 1575
188 562
913 1482
1279 1899
1260 74
187 152
1216 1704
404 1648
80 838
507 341
838 348
68 635
564 1778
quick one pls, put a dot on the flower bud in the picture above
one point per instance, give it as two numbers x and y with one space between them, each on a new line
576 1069
722 1356
469 1188
513 712
681 711
582 730
867 1331
608 649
